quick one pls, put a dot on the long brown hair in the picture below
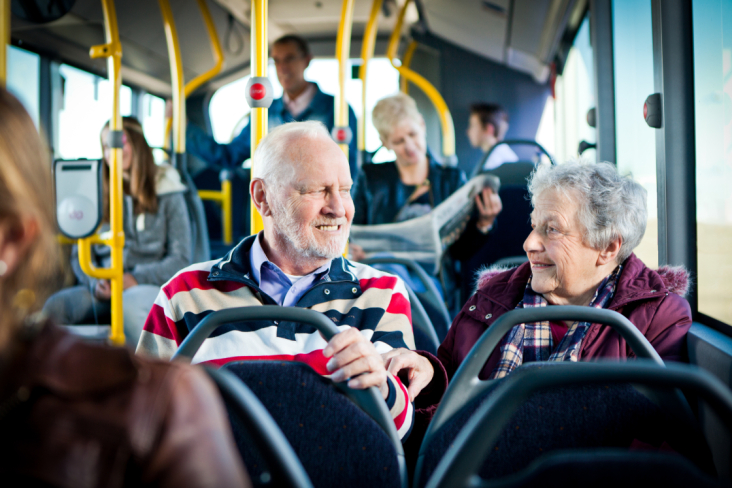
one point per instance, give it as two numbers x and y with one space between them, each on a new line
143 171
26 192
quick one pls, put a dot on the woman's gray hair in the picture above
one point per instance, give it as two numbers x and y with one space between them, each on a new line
610 205
391 111
274 160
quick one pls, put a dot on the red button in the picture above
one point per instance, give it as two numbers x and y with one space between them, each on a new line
257 91
645 110
341 134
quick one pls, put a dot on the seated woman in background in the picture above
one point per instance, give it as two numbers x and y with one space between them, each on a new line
157 240
75 414
414 184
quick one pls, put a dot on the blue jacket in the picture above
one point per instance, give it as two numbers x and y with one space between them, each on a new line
321 108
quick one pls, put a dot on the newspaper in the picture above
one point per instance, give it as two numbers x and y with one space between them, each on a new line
424 239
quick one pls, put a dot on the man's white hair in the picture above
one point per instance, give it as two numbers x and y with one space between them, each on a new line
609 205
273 161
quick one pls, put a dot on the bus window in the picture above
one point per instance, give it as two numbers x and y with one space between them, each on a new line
23 79
228 108
635 142
574 98
712 27
84 111
152 118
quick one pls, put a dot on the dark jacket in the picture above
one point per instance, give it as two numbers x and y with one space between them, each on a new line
239 149
647 298
97 416
379 194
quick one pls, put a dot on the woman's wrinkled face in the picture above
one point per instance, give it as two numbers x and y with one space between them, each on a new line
564 268
407 139
126 151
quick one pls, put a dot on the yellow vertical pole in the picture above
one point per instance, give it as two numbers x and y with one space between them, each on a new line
367 51
343 50
176 78
5 39
112 50
259 60
406 62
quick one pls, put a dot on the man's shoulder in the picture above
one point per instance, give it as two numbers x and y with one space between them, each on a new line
189 278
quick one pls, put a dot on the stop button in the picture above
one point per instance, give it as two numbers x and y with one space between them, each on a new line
258 92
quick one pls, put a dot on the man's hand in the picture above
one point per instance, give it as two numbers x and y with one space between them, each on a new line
353 356
128 281
168 108
103 291
356 252
489 206
419 369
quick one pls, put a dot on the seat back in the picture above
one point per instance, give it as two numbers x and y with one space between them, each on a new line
199 229
337 443
573 417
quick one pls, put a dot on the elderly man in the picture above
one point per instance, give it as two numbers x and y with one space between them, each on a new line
302 100
301 186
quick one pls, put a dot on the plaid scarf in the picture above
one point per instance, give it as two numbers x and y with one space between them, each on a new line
534 342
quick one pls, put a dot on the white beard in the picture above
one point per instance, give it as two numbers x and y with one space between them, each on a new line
300 236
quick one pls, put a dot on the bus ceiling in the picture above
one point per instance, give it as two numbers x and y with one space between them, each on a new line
525 35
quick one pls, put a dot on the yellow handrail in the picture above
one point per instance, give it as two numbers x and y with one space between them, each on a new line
223 198
406 62
343 50
259 60
115 238
4 39
367 52
199 80
448 128
176 78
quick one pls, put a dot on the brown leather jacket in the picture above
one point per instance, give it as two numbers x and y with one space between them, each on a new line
78 415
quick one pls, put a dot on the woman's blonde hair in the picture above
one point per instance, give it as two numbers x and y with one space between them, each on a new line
143 171
391 111
26 193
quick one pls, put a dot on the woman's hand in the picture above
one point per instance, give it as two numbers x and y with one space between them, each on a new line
419 369
103 291
128 281
489 206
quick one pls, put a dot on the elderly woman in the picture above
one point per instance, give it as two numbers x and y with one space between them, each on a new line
414 184
586 222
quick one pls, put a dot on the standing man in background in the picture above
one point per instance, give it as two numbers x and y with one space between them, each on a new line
302 100
487 127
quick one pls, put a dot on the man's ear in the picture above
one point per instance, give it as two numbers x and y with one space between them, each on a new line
490 129
610 253
15 238
307 61
258 191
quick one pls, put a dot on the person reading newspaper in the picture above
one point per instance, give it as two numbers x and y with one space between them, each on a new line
411 187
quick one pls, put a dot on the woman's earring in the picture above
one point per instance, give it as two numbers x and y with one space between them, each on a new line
3 267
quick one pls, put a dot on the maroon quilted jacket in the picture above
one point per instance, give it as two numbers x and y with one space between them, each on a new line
651 300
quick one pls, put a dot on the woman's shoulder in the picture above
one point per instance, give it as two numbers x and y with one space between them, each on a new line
168 180
380 170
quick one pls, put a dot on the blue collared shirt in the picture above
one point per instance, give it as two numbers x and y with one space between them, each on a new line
275 283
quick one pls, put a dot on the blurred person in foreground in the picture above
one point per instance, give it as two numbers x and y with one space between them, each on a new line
72 413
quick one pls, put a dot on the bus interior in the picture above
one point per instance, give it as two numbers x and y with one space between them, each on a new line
577 77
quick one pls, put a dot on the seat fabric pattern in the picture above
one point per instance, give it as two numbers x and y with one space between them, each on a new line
577 417
337 443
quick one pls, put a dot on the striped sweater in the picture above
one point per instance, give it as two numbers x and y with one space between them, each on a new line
350 294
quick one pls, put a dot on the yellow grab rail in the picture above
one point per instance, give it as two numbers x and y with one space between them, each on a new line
115 238
223 198
5 39
176 78
259 60
448 128
199 80
343 50
406 62
367 52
